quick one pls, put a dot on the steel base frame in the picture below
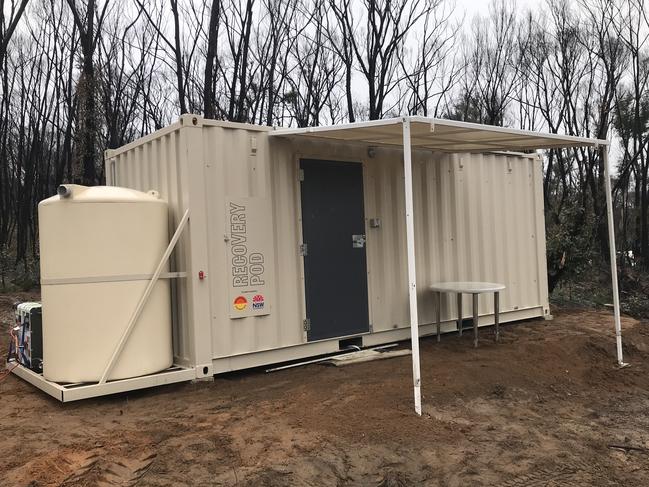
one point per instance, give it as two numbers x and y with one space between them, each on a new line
76 392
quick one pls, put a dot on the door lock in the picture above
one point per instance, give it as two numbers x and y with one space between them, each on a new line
358 241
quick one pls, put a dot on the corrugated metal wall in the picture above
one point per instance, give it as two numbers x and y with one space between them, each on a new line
475 220
233 169
155 162
477 217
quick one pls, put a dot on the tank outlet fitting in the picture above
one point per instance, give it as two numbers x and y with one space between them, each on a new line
63 191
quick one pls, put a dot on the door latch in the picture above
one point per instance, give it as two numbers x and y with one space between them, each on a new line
358 241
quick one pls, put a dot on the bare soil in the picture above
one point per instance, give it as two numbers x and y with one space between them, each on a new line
545 407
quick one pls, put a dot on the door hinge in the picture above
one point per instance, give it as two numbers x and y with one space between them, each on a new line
307 324
300 174
304 249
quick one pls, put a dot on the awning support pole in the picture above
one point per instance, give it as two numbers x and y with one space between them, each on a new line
147 292
412 272
611 246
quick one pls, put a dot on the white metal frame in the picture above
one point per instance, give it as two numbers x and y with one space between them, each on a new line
556 141
412 284
75 392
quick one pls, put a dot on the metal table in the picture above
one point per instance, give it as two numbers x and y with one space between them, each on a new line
475 289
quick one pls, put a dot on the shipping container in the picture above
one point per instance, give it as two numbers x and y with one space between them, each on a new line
267 277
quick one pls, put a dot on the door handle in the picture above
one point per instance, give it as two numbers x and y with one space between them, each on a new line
358 241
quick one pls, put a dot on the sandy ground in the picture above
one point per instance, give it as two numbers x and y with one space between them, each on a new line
544 407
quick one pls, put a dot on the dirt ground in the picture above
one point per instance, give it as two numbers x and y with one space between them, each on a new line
547 406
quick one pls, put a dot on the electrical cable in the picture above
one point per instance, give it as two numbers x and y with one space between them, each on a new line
14 341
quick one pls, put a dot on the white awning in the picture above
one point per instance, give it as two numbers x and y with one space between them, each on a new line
441 135
451 136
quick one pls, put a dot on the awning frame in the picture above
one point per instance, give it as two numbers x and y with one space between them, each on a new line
358 132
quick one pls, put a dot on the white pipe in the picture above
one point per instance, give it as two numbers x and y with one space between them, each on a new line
140 305
611 246
412 272
328 357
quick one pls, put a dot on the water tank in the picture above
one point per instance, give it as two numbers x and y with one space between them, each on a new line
98 246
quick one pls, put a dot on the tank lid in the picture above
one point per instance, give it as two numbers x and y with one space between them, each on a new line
75 193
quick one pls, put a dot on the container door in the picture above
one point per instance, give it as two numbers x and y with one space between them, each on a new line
335 263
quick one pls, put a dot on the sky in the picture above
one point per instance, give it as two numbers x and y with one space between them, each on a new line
472 7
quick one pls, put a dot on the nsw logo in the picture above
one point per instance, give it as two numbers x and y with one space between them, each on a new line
258 301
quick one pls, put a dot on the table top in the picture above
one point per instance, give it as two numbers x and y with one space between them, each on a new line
468 287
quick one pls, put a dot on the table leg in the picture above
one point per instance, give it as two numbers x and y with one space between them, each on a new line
475 320
497 314
439 314
459 313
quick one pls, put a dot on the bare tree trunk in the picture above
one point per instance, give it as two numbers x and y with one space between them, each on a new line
209 84
180 83
9 23
86 147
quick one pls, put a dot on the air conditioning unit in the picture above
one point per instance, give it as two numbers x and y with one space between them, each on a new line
27 336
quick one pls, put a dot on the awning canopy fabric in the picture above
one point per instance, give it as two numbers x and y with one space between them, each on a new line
441 135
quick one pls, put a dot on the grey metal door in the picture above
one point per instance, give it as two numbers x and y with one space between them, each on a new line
335 262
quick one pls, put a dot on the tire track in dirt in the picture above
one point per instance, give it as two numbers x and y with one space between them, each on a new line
104 472
72 467
565 475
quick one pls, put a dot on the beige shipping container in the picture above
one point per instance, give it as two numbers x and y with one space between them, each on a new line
243 301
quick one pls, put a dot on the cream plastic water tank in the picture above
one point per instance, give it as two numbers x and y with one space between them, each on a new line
98 245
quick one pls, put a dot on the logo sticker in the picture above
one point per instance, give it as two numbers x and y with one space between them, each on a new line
258 302
240 303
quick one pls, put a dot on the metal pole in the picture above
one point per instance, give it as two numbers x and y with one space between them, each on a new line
140 305
412 273
439 315
497 314
611 246
475 320
459 313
